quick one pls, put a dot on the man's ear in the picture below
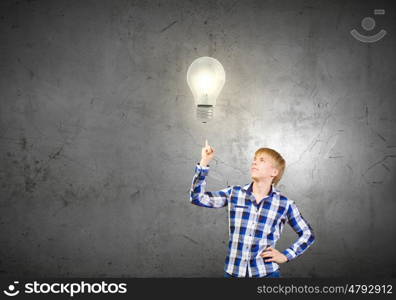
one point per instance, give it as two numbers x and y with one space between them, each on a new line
275 172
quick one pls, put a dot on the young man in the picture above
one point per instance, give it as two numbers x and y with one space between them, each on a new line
257 213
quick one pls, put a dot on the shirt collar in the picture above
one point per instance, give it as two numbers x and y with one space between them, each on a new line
249 188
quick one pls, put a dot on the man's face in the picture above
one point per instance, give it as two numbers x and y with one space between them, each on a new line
263 167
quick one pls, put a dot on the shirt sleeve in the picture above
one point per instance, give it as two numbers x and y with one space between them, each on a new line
304 231
198 195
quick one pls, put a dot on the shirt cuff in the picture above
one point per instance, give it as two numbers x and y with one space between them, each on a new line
289 254
202 170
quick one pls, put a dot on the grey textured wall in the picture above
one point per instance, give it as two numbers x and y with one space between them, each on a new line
99 138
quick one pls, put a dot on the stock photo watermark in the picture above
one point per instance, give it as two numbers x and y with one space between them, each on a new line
368 24
70 289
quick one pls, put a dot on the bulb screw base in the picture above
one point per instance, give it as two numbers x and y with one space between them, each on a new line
205 112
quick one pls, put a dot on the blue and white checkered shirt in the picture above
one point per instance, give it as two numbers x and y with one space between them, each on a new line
252 226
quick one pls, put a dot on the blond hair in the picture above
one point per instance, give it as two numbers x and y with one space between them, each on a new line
279 162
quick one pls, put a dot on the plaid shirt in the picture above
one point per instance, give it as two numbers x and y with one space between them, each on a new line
252 226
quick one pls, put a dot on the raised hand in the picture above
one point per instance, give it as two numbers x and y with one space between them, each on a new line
207 154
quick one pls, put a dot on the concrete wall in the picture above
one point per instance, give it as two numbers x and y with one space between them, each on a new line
99 139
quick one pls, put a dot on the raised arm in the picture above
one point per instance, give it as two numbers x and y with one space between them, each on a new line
198 195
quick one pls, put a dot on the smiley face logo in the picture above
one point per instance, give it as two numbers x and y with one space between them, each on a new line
12 290
368 24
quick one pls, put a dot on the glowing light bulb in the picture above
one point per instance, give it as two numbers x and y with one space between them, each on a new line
206 78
